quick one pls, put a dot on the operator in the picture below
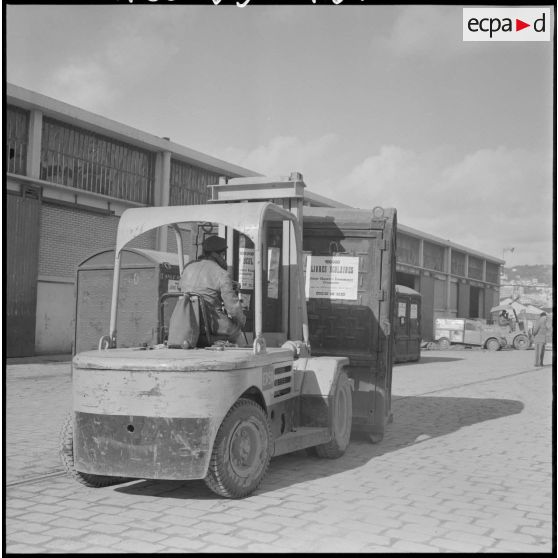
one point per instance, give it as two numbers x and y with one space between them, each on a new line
208 277
504 318
540 331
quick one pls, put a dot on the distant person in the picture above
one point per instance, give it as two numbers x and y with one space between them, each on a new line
504 318
540 331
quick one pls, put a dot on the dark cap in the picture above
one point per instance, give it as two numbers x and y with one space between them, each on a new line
214 244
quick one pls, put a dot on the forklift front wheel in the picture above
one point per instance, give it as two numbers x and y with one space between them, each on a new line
493 344
341 420
444 344
66 451
241 451
521 342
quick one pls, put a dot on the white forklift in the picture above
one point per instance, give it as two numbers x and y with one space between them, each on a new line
315 363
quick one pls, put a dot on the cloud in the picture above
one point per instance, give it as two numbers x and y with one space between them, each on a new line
485 200
86 85
286 154
432 31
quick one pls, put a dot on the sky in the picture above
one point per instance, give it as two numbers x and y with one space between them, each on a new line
374 104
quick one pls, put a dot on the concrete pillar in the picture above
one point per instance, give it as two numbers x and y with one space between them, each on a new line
421 253
448 278
161 193
34 144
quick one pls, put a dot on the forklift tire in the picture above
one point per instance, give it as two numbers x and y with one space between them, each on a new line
241 451
443 344
493 344
341 420
66 451
521 342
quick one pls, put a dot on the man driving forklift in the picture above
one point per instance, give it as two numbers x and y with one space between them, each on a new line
208 278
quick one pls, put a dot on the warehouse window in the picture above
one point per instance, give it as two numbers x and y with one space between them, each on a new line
433 256
475 268
457 263
17 132
492 273
188 184
408 249
81 159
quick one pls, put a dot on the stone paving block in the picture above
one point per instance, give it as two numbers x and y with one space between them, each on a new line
66 532
412 535
301 507
283 521
513 536
63 545
258 525
138 546
257 536
217 549
283 511
369 538
221 517
147 536
70 523
32 517
509 546
413 547
225 540
100 539
23 549
466 527
29 538
105 528
99 550
15 512
537 531
142 514
16 525
184 544
260 548
47 508
455 546
18 504
460 536
366 526
243 513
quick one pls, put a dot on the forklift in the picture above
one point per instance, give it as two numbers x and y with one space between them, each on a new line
314 365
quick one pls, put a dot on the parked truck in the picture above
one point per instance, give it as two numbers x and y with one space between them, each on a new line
477 332
315 365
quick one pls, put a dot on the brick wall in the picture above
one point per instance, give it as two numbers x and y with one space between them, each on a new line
69 235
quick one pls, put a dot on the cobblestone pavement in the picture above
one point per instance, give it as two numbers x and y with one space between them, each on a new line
466 466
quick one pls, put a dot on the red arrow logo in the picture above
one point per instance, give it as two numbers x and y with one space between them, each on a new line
519 25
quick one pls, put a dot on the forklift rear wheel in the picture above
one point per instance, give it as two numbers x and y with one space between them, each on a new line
241 451
341 420
521 342
493 344
443 344
66 451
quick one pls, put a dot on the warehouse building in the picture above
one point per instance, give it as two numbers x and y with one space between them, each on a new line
69 175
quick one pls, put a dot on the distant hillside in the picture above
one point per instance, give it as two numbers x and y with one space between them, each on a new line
543 273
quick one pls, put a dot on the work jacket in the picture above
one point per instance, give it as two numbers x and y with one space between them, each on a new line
208 279
540 330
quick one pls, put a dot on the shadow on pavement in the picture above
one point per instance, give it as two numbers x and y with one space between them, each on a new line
416 420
